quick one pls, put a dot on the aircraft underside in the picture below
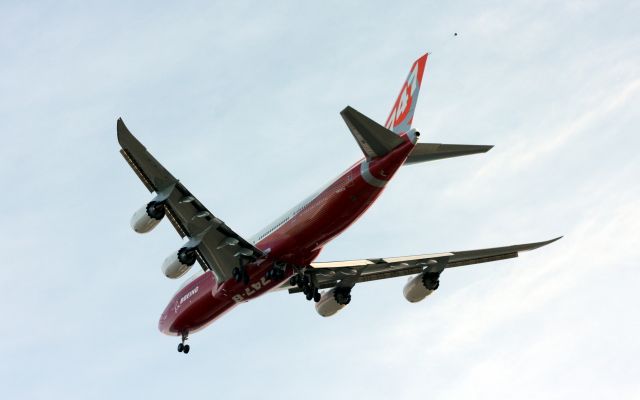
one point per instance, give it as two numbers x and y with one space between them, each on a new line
282 256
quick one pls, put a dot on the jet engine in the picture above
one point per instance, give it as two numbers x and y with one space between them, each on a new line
178 263
421 286
148 217
333 301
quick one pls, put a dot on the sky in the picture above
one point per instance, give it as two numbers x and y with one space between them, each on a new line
241 102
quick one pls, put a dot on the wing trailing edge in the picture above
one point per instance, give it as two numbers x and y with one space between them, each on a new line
365 270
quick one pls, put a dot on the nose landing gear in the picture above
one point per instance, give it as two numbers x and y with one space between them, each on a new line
184 348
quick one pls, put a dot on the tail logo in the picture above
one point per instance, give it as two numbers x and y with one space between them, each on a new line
401 116
405 99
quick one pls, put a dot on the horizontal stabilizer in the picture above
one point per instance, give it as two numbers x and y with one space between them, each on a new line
436 151
374 139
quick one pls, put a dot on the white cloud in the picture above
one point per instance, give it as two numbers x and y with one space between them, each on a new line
534 329
242 104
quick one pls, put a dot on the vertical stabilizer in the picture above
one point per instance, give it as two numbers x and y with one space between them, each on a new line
401 116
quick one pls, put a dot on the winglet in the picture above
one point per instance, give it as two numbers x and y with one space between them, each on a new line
126 138
157 178
540 244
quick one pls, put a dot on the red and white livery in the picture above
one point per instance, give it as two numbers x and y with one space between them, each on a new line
282 256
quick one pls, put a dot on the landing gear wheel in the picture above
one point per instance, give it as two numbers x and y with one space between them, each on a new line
309 295
237 275
294 280
184 348
316 297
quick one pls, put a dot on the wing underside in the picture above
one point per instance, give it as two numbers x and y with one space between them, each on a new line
348 273
219 248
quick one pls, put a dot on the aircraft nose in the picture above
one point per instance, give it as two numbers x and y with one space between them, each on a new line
162 323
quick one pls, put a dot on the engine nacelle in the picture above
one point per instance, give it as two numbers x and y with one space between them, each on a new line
178 263
148 217
421 286
333 301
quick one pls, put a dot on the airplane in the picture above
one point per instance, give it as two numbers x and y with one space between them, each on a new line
282 256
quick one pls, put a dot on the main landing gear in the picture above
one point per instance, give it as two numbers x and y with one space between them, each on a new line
241 275
277 271
304 282
184 348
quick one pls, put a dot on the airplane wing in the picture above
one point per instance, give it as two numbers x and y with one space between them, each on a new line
348 273
219 248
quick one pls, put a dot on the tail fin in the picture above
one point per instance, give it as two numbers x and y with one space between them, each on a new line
401 116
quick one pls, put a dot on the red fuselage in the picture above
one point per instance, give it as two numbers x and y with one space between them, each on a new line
298 241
